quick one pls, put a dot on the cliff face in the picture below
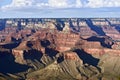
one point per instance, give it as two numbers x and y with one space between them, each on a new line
19 52
112 32
116 45
109 64
66 27
19 56
101 52
59 69
65 41
71 56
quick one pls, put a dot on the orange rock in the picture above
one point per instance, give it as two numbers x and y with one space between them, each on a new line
70 55
19 56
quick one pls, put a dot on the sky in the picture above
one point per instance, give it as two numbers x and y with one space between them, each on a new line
59 8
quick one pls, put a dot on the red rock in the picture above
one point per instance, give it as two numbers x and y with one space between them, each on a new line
102 51
71 56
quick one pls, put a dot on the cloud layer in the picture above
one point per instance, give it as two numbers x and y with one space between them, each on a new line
103 3
16 4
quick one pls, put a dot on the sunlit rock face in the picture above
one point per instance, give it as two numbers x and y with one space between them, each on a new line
19 56
71 56
116 45
19 52
65 41
67 27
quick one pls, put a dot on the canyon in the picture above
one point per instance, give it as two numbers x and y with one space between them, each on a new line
60 49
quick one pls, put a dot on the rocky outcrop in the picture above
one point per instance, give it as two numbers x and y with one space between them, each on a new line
6 34
116 45
100 22
86 31
36 44
67 27
111 32
19 52
91 44
61 70
51 25
71 56
19 56
100 52
110 65
114 21
65 41
23 46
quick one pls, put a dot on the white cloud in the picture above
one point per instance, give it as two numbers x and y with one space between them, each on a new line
41 5
95 3
78 3
58 3
103 3
65 3
24 4
18 4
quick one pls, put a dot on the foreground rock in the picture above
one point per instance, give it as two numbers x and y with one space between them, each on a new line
59 69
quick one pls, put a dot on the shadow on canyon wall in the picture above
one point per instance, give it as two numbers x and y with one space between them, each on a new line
8 64
117 28
33 55
51 52
97 29
60 24
10 45
2 24
87 58
101 40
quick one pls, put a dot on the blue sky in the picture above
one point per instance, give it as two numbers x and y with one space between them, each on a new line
59 8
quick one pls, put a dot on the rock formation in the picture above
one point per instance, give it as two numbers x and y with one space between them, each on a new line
65 41
67 27
61 49
19 52
116 45
19 56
